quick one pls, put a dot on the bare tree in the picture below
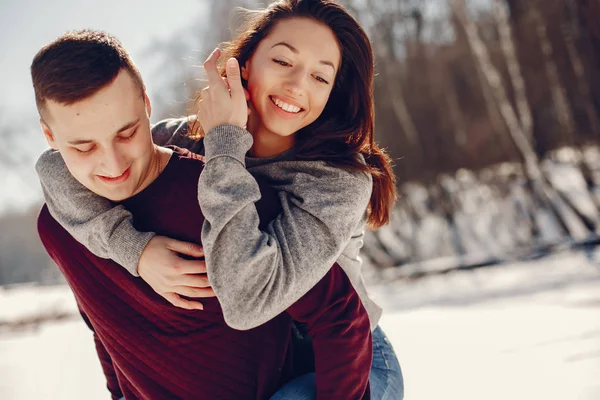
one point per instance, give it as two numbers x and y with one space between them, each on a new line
514 69
540 186
559 97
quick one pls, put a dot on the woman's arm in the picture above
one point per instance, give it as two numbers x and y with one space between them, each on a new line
257 274
97 223
107 230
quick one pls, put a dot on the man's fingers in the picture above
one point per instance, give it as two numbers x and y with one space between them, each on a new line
235 81
187 248
177 301
210 66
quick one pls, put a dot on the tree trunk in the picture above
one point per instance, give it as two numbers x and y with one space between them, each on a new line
534 173
559 97
456 115
571 34
514 69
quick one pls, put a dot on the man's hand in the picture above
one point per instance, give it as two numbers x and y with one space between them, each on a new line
170 276
222 102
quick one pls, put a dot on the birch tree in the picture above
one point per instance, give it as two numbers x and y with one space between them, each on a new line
540 186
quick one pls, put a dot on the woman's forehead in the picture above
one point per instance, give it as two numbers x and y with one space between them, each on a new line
304 35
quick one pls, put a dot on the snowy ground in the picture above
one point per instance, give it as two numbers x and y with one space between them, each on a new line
522 331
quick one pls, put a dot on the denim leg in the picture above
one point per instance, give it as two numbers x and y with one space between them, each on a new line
385 378
301 388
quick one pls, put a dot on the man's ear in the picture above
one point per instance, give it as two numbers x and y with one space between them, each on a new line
148 105
48 134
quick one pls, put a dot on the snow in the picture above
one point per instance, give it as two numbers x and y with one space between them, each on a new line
491 213
526 330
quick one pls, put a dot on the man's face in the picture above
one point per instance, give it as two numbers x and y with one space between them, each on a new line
105 139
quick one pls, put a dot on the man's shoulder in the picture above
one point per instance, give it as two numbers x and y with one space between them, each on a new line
54 237
185 167
44 220
47 225
185 154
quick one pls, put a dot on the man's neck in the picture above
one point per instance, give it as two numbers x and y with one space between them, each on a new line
157 164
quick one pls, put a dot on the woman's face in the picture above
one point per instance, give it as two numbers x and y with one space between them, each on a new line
290 77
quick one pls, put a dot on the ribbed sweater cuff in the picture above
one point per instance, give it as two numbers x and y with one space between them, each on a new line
228 141
127 246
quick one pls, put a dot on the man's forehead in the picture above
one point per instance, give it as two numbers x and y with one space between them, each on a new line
92 117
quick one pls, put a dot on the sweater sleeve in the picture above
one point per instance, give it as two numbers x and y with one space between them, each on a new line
257 274
94 221
340 330
112 382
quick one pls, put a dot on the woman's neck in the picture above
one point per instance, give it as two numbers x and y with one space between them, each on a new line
266 143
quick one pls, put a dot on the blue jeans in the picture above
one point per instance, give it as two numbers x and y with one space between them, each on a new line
385 378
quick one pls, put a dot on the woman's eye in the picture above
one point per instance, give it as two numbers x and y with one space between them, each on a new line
321 80
281 62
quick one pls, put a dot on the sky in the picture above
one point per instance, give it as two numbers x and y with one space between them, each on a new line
27 25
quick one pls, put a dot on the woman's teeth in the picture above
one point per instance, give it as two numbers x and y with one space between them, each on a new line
285 106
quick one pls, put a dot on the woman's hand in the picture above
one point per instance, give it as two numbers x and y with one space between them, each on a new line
171 276
222 102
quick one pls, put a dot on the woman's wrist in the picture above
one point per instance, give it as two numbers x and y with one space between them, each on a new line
227 140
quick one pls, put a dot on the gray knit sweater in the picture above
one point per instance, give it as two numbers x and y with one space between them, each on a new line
255 274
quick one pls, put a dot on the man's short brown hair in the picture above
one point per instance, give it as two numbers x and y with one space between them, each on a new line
77 65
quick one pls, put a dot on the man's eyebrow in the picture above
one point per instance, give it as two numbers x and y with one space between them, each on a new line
128 125
295 50
79 141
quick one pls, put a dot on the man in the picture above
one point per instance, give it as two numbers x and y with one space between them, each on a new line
95 112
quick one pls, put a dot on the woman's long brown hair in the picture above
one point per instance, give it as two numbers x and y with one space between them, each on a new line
345 129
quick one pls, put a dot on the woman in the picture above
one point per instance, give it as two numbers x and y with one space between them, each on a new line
308 67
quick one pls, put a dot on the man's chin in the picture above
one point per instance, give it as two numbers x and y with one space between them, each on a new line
115 196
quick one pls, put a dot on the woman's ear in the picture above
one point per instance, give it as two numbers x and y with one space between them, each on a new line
245 73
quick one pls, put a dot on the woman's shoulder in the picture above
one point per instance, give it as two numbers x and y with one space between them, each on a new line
175 131
169 129
318 177
326 170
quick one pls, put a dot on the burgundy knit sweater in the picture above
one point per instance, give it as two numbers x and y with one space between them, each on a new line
150 349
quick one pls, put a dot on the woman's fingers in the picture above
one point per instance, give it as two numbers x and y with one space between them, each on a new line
177 301
194 292
187 248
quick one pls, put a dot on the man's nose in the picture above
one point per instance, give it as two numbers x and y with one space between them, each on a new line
113 162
